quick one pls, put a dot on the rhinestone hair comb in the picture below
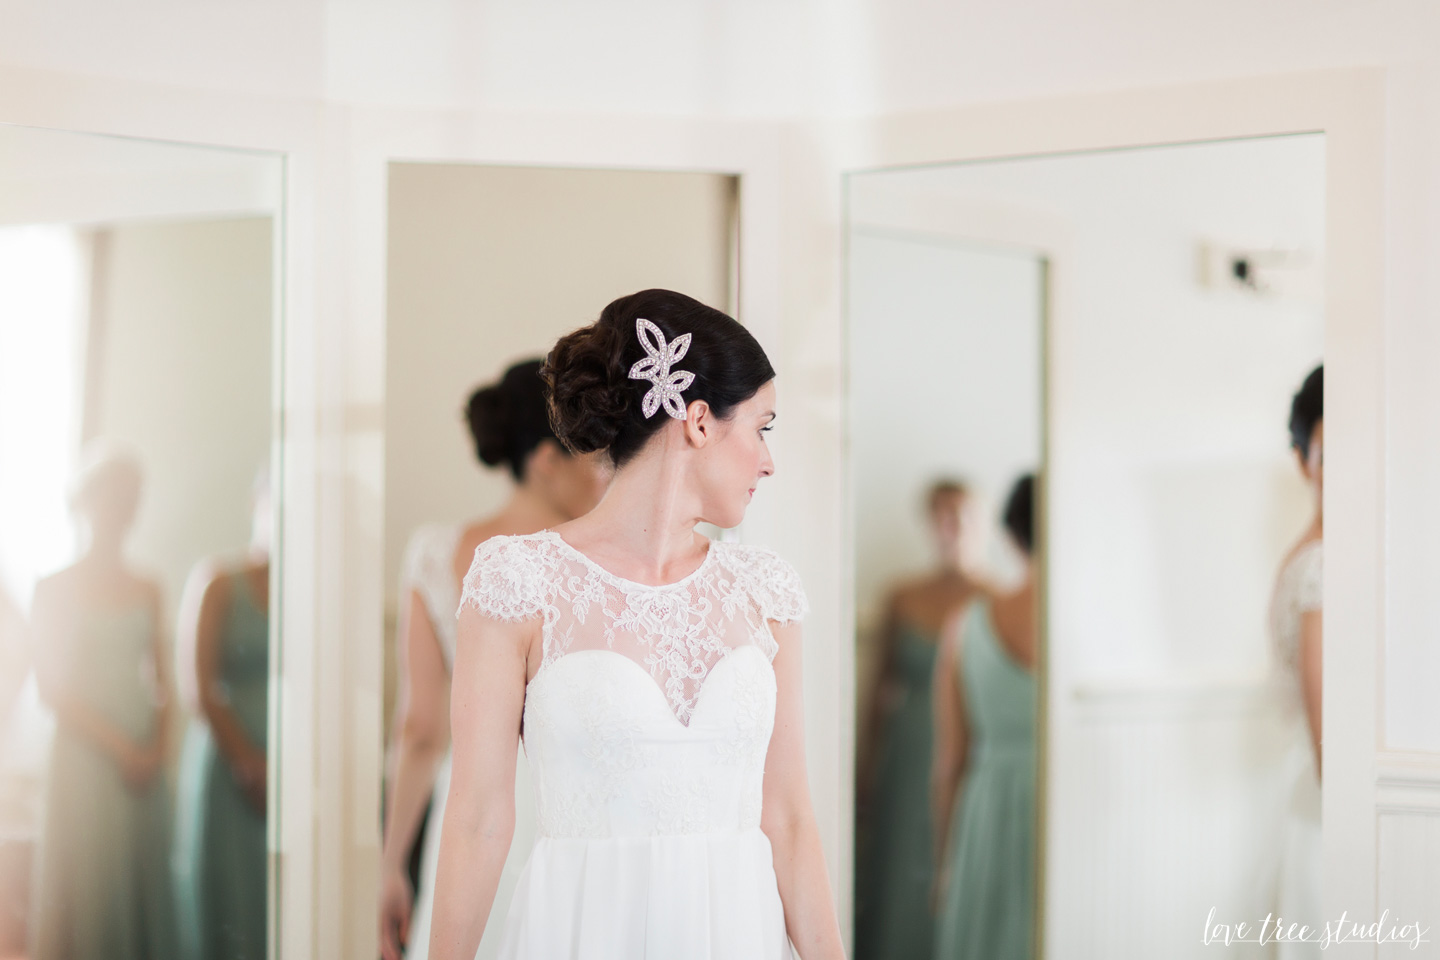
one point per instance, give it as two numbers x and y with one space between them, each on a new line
656 368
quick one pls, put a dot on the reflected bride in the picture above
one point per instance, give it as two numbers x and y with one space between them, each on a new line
1296 625
654 675
510 428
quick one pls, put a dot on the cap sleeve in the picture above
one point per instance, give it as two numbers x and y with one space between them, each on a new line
428 569
774 585
506 580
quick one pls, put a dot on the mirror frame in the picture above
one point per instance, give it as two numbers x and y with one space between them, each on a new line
1047 240
750 152
280 280
1348 107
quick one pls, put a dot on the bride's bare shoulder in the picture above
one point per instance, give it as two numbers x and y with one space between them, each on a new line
1308 543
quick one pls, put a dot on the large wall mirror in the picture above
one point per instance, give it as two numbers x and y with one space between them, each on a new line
138 317
1089 707
487 267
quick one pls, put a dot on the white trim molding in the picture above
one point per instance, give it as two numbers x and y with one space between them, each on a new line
1407 783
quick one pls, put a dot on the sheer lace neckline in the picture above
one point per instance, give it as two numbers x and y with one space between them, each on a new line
622 582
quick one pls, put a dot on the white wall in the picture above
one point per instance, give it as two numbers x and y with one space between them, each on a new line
945 368
1172 466
44 309
51 176
185 330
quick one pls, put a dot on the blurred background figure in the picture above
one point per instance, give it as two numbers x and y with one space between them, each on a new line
985 751
14 655
103 885
895 850
224 646
14 853
1296 631
510 427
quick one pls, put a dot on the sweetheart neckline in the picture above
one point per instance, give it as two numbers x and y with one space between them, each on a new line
650 680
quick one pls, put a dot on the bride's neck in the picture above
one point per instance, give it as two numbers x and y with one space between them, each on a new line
649 513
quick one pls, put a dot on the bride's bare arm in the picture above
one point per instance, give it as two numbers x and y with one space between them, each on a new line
422 731
788 818
1310 676
487 698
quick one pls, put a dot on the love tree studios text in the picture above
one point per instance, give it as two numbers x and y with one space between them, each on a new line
1275 929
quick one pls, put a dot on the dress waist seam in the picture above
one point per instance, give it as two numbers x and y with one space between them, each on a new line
633 837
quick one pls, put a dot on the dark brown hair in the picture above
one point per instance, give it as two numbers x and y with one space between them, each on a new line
1020 513
1307 408
507 419
594 405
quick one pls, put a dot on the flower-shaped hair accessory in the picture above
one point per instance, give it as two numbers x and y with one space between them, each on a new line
656 369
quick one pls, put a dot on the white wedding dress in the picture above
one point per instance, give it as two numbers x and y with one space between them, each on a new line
429 570
1297 591
646 727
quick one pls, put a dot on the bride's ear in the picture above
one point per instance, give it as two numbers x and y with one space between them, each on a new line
699 423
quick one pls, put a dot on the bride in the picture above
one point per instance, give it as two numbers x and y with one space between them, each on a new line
654 675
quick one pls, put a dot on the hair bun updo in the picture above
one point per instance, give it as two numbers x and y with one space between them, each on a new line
508 420
586 383
1307 408
1019 516
593 403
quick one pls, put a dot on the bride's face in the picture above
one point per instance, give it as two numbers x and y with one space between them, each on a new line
732 466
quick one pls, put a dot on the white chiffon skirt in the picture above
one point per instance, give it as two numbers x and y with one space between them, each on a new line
685 897
1301 870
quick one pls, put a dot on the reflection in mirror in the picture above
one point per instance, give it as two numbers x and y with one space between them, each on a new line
1181 586
945 603
136 322
488 266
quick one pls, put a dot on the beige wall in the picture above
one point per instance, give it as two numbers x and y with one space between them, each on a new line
183 334
489 265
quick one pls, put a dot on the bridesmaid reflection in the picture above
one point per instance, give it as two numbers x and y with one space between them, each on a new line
15 835
510 427
224 640
895 845
14 655
1296 631
103 885
985 751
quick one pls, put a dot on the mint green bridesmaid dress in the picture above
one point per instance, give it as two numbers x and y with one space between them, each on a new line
103 884
896 856
989 902
220 836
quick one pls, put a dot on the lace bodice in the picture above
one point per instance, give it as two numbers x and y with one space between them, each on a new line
1297 590
652 709
676 632
429 570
